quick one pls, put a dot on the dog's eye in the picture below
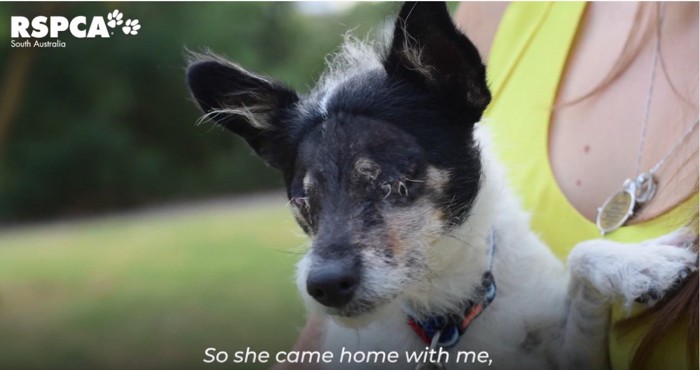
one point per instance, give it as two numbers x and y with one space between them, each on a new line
300 202
302 207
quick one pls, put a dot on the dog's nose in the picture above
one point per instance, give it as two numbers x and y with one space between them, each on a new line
333 284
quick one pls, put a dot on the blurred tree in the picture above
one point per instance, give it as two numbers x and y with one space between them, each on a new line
14 78
107 124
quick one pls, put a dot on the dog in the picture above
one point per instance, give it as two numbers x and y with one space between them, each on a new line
416 241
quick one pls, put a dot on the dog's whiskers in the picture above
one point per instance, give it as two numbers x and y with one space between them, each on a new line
287 251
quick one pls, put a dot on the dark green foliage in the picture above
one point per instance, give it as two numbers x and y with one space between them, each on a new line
108 123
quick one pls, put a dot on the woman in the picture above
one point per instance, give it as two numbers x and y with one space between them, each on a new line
599 93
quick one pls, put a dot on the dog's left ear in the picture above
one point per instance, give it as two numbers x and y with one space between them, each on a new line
428 49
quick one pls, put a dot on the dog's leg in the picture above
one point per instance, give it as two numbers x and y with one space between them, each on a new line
585 330
604 271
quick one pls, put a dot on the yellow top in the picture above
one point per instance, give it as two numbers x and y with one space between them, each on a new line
525 64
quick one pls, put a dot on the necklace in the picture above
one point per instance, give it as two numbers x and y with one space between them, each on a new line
621 206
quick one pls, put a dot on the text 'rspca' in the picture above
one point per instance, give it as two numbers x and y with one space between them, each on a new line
79 27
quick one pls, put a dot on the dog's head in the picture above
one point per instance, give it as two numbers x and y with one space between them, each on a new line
379 160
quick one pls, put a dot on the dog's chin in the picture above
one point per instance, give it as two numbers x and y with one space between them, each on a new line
356 317
356 314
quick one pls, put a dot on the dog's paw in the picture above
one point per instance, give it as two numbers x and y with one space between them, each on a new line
642 272
653 295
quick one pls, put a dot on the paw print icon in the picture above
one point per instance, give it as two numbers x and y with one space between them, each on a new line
115 18
131 27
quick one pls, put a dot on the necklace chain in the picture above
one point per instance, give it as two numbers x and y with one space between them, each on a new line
650 92
675 147
647 108
623 205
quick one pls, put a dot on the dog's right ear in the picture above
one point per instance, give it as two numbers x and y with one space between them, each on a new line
247 104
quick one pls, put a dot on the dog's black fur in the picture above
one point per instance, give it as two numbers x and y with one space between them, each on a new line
417 111
400 117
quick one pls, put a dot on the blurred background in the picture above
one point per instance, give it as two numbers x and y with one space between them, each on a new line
130 237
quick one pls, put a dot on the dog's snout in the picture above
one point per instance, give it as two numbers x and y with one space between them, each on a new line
333 284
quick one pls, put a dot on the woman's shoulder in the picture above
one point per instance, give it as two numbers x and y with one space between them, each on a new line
479 21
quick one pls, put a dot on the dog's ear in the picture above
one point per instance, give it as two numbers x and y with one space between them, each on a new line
245 103
428 49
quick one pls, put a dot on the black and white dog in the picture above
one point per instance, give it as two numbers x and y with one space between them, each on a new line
412 227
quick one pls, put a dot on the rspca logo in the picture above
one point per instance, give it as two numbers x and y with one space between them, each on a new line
80 27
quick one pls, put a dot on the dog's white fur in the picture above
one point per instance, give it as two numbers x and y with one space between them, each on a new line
545 316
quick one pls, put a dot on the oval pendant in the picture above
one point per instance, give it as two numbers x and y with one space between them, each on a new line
616 211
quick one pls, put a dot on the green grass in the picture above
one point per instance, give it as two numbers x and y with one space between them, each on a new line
149 291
